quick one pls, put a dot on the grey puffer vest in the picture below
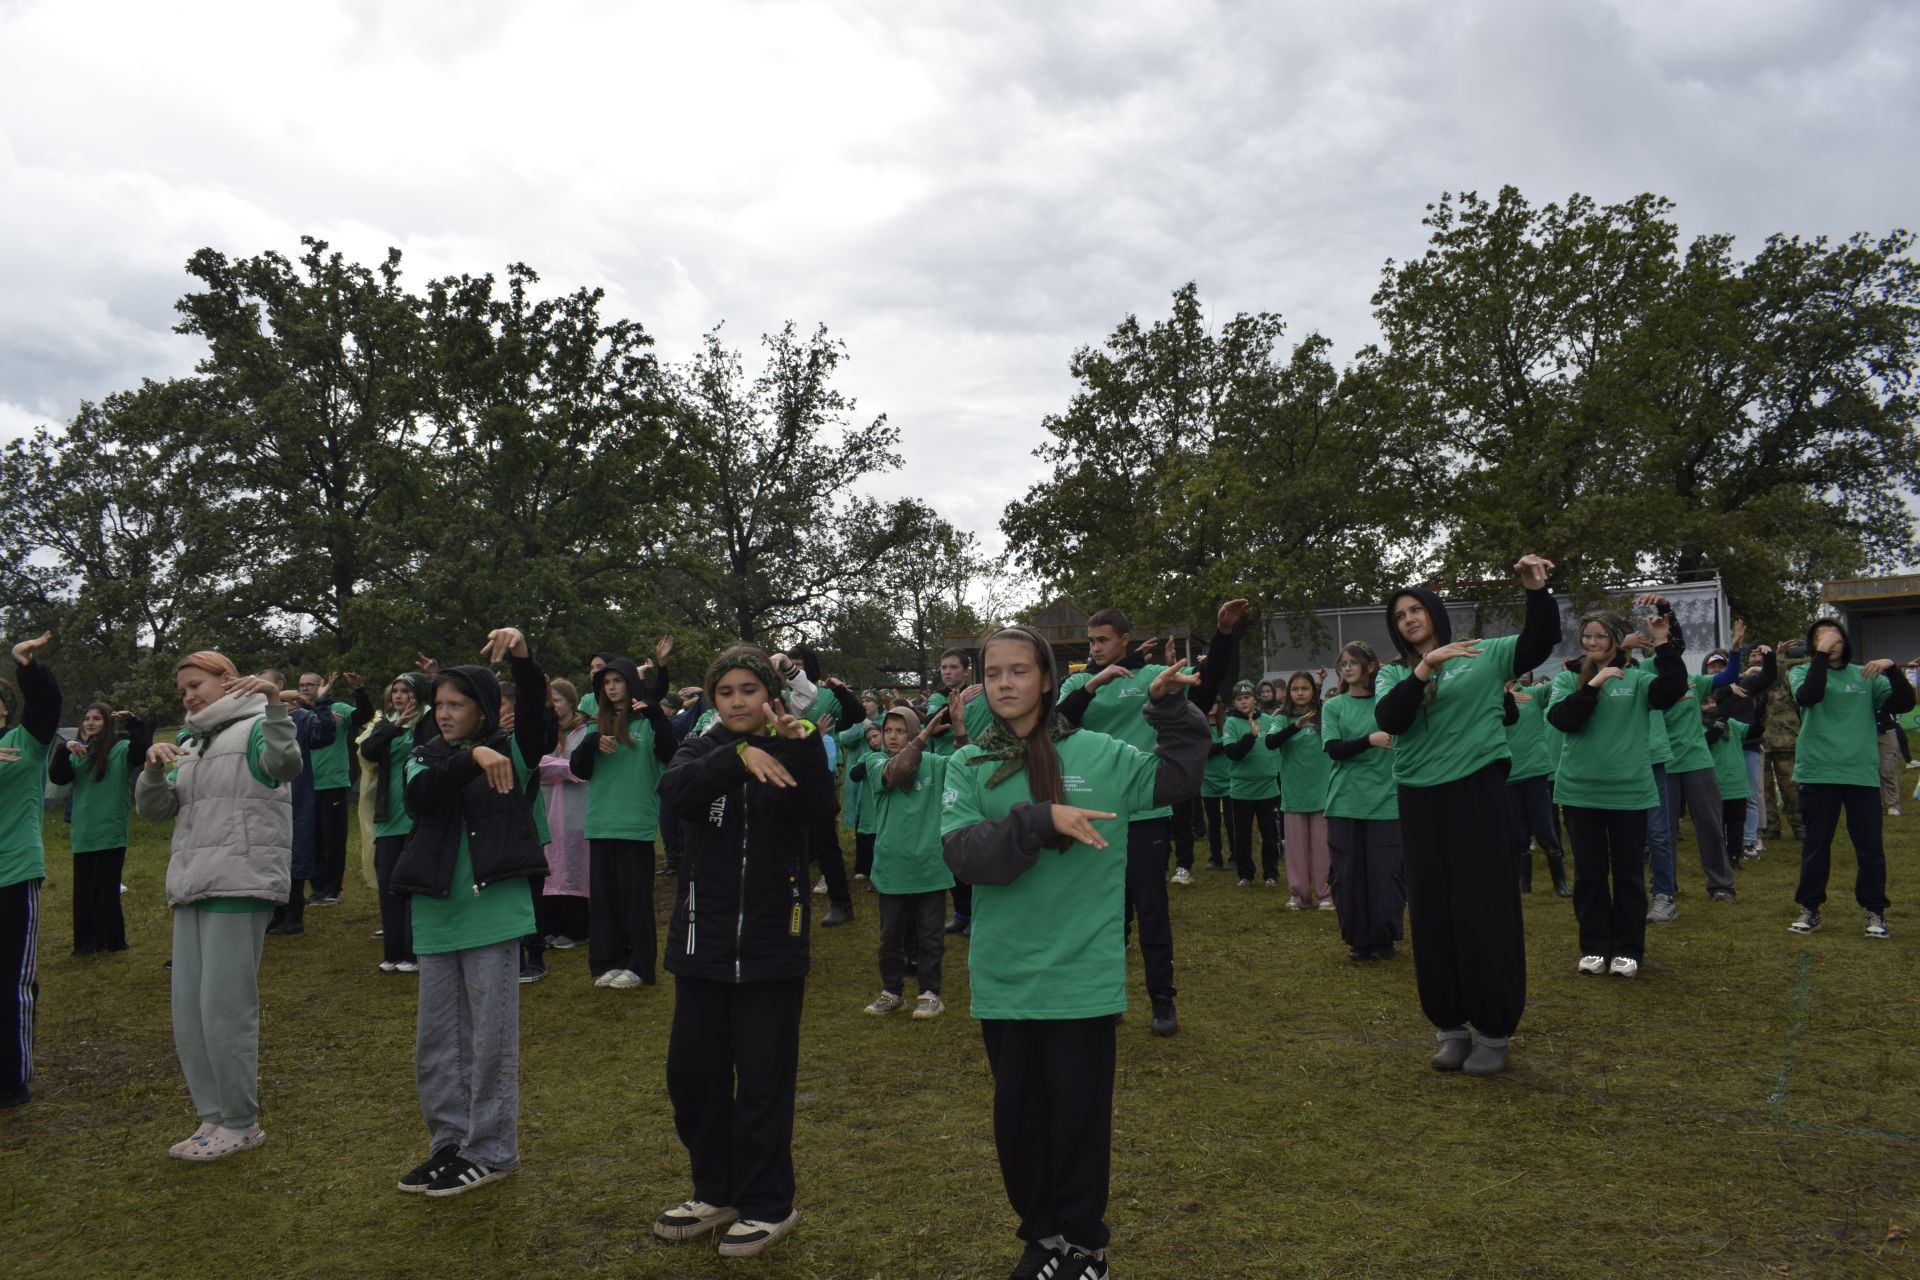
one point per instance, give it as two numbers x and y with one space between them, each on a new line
233 837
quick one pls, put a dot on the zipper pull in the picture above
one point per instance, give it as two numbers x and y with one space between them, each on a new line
476 889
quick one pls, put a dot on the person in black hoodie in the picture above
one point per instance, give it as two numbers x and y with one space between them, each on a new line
474 846
749 790
407 724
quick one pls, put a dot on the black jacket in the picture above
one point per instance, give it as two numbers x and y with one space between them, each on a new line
742 910
451 795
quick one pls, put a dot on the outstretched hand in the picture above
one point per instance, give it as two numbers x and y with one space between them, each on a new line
785 723
1533 571
500 642
1171 680
498 768
24 651
163 755
1229 617
1437 657
1077 824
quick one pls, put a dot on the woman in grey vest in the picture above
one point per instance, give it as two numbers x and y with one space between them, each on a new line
232 861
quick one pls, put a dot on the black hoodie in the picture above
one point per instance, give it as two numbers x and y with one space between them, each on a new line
587 753
451 796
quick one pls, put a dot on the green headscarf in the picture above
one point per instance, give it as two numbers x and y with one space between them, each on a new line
1000 745
745 657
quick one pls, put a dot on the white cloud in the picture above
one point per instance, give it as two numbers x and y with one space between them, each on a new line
964 192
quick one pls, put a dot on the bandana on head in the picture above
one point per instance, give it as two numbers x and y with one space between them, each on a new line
1244 688
750 658
1000 745
1614 626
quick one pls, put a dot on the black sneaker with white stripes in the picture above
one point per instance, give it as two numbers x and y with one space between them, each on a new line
1074 1263
421 1175
461 1174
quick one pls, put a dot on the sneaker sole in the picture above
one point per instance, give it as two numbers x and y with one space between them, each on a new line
252 1144
493 1176
680 1235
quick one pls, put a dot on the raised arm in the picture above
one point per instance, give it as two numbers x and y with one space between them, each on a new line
536 730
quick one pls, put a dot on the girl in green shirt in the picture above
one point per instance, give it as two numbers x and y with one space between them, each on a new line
1303 796
1443 702
1363 813
96 763
1530 785
1606 787
1253 786
1035 818
1214 788
385 749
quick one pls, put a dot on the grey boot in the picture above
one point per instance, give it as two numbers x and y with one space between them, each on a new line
1453 1050
1489 1058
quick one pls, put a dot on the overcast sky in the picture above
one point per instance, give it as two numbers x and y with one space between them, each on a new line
963 192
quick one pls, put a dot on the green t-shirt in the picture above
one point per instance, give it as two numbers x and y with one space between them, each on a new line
1118 710
1686 731
906 845
1839 742
1605 764
623 795
400 751
101 804
1527 736
589 705
465 919
1730 763
1304 771
1460 731
1256 775
1659 745
852 742
1362 786
1049 945
536 800
974 719
330 765
1218 779
23 854
229 906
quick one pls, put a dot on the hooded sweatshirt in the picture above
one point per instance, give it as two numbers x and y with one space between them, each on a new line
623 786
1839 741
1454 724
387 746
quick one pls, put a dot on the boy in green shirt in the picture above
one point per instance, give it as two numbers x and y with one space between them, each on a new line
23 864
909 875
1837 766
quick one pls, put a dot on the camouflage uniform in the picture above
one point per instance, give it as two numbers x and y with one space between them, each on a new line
1779 737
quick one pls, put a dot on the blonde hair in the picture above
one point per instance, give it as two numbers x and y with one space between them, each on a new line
214 664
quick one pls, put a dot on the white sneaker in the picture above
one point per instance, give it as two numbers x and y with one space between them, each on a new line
928 1006
1622 967
1894 812
886 1002
822 886
179 1149
1291 904
1326 904
1877 926
746 1238
1663 911
605 978
389 966
1182 876
1245 882
407 966
692 1220
561 942
1593 964
624 979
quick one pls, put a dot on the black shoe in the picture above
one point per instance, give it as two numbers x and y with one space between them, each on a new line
1075 1263
1032 1263
421 1175
1165 1021
532 971
957 923
1214 864
668 869
287 928
461 1174
839 913
15 1097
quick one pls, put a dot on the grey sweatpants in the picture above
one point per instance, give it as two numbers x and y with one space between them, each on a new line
466 1054
216 1010
1698 791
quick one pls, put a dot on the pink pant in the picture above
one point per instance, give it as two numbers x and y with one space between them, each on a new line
1306 836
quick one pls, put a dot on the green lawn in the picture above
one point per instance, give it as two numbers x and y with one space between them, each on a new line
1749 1106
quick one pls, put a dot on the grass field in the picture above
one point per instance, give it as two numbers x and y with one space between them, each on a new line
1749 1106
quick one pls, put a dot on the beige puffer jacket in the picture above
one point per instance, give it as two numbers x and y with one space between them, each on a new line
233 837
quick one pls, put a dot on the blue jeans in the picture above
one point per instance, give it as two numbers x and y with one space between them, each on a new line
1753 805
1660 835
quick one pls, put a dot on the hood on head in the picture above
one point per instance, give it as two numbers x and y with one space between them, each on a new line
905 716
419 682
1846 641
623 667
1436 609
480 684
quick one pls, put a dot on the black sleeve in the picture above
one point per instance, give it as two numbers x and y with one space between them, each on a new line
536 730
1181 741
1669 677
858 773
659 689
1539 635
139 737
813 797
1716 730
1223 653
1769 675
664 743
703 768
1395 710
1571 713
1814 687
1346 748
1510 710
362 710
585 756
41 694
323 728
1074 705
1215 749
1238 750
439 786
60 765
852 710
1000 850
1901 700
1280 736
